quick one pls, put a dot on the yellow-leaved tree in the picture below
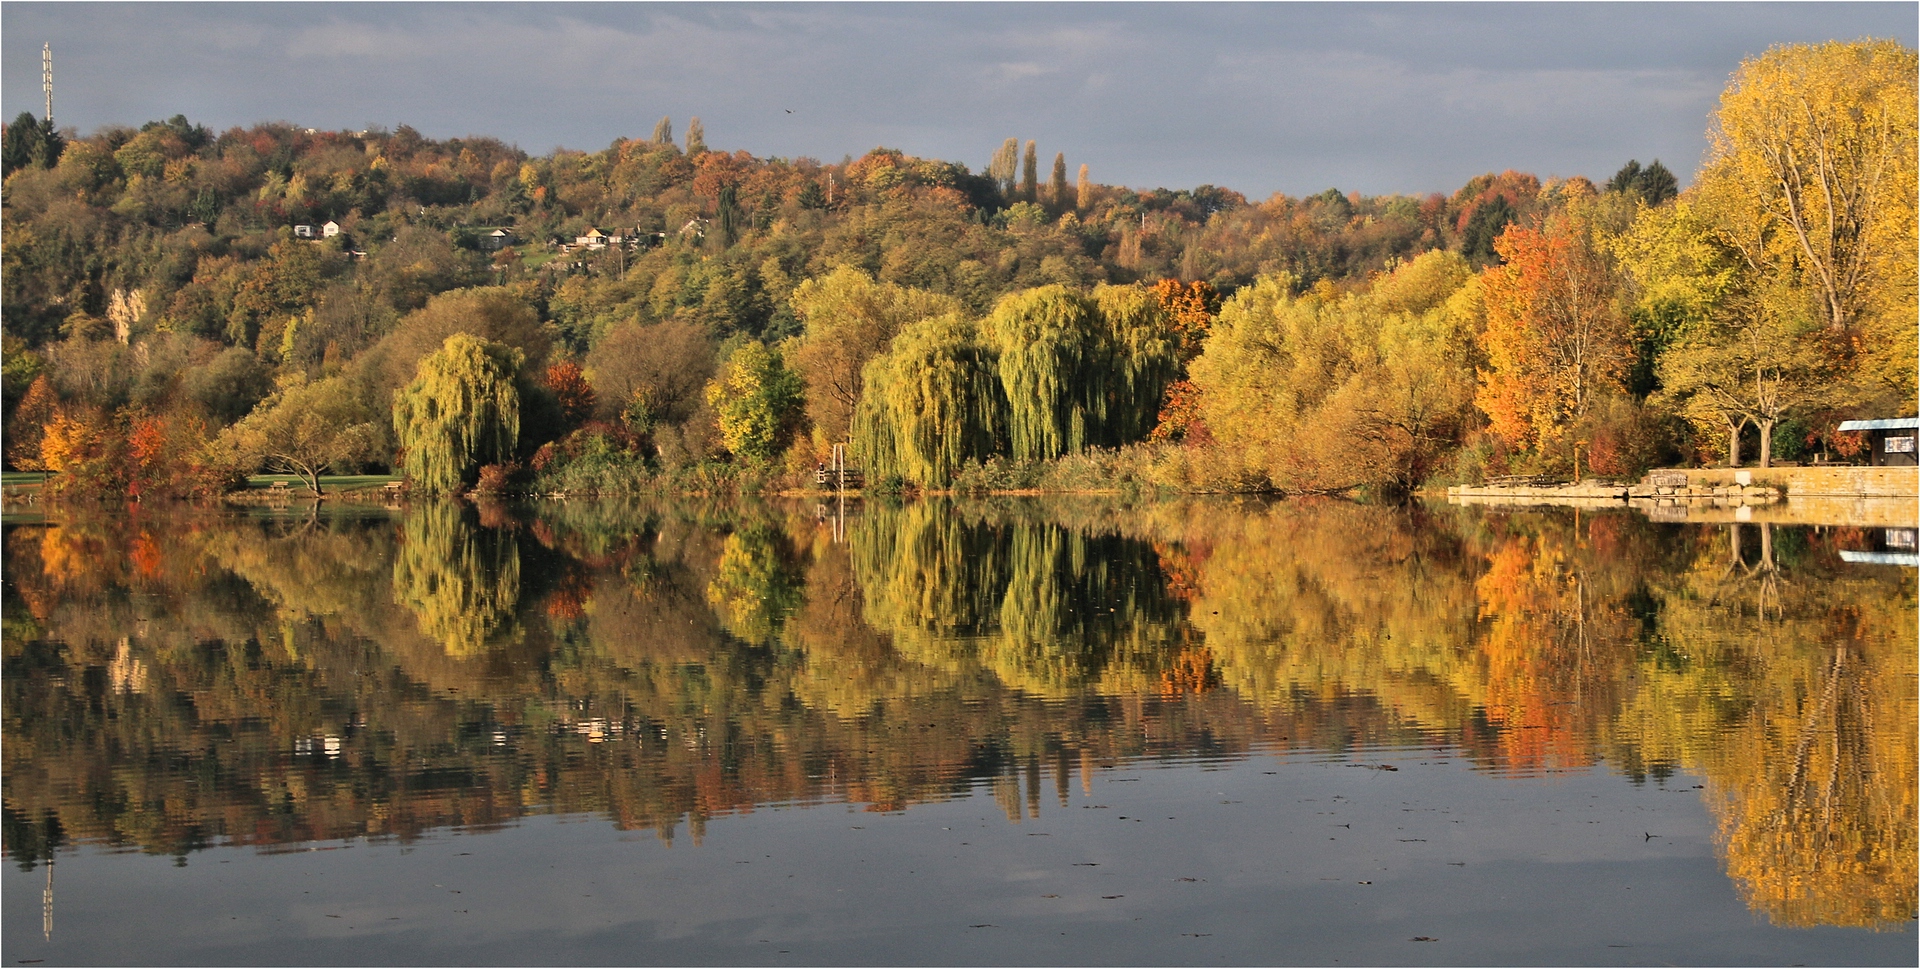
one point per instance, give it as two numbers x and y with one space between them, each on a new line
1810 183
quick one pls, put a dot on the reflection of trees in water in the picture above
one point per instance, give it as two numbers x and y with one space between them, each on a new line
674 663
1788 681
757 584
462 583
1047 609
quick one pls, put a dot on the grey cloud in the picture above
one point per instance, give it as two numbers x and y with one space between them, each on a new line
1262 98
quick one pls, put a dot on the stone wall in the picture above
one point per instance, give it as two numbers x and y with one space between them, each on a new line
1827 480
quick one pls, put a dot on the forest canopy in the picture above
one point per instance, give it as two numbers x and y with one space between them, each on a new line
675 307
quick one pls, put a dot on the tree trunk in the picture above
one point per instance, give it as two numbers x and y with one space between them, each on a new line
1733 443
1766 442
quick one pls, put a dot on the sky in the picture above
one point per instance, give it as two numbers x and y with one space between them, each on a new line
1261 98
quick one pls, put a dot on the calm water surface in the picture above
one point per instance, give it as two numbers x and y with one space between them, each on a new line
955 733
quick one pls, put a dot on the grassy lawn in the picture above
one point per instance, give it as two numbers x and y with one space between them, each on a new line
328 482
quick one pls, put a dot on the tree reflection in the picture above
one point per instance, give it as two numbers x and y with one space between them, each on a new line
462 583
176 680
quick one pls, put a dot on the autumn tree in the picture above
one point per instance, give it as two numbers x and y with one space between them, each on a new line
660 369
1057 196
1810 181
306 428
1329 390
849 318
570 389
1083 195
1030 174
1047 347
1811 170
1004 169
696 137
932 402
461 411
757 401
663 131
1554 337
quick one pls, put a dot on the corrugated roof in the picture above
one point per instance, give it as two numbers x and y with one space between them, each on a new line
1883 424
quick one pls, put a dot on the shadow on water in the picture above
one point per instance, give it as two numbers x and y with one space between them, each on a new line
175 680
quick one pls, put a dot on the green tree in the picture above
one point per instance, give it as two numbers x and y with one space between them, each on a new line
29 142
850 318
757 401
1057 185
932 402
461 411
1053 370
306 428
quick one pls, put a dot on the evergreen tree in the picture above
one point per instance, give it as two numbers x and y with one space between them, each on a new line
29 141
1656 184
1489 219
727 217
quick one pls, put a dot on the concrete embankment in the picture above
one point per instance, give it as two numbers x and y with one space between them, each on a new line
1872 497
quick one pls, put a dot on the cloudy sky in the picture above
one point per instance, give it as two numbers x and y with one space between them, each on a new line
1291 97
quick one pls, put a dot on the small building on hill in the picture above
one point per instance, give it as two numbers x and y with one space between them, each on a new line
1890 441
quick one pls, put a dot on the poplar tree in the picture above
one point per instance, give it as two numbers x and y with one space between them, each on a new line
1084 195
696 137
1057 185
663 132
1005 167
1030 174
461 411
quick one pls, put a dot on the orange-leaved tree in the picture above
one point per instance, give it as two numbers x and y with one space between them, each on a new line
574 394
1555 339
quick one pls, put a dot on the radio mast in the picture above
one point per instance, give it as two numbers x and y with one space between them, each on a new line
46 78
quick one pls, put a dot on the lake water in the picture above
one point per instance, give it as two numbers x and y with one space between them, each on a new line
979 732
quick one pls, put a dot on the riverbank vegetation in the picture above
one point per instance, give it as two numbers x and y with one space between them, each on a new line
183 308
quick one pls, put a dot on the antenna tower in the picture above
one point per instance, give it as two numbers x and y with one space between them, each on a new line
46 78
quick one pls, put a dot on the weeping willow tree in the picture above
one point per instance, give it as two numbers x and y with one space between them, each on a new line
462 583
1052 363
931 403
461 411
1143 353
